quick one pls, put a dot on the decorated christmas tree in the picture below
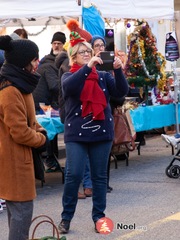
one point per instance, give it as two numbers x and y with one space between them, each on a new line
145 66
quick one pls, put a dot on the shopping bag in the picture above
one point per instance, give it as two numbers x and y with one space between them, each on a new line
130 123
55 232
123 140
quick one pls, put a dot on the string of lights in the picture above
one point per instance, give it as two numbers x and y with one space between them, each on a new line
20 23
142 61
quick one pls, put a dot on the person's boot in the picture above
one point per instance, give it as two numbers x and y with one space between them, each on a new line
51 164
81 195
88 192
109 189
64 226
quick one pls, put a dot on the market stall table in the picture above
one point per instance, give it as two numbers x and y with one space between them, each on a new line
52 125
152 117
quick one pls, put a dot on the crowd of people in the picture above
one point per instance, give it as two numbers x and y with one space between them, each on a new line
69 81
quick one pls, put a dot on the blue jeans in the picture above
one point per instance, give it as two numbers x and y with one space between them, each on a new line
87 183
76 153
86 180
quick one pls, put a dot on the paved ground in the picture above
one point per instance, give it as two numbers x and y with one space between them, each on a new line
143 196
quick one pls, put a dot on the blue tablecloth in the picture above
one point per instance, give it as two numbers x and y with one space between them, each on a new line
52 125
151 117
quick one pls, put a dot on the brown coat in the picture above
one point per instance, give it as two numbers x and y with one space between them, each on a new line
17 111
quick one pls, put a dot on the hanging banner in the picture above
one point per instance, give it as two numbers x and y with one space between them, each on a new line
92 21
177 26
171 47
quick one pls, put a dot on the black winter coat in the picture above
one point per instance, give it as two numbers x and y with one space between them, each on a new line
47 90
62 63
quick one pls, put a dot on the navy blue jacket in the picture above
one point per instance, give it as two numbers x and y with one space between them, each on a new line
79 129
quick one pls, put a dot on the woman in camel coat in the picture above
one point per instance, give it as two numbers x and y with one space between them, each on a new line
19 133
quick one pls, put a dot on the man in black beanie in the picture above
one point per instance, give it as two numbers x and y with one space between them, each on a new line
47 90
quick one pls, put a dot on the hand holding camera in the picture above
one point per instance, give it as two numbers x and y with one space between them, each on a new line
107 61
94 61
117 63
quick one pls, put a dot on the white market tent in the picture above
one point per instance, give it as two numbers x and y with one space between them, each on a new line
147 9
34 13
25 10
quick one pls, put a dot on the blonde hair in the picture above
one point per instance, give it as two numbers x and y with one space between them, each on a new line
72 51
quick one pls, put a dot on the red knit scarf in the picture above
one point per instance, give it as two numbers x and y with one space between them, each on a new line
92 97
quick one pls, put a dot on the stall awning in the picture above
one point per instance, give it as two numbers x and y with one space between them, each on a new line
133 9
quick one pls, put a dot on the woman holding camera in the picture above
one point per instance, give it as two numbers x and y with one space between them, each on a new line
88 125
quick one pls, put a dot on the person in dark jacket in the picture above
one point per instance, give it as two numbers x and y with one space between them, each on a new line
62 63
99 44
47 92
88 125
